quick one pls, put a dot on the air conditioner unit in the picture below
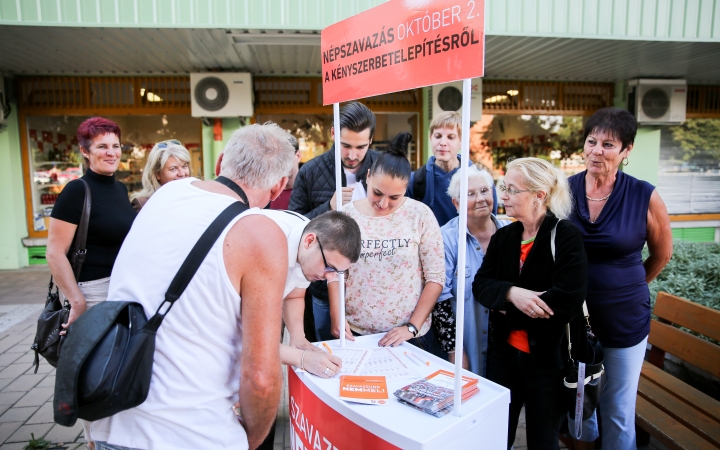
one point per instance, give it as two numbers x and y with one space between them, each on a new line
657 102
448 97
221 94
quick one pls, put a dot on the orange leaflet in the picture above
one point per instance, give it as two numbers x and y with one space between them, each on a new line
364 389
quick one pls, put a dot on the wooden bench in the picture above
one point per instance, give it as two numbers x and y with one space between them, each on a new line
676 414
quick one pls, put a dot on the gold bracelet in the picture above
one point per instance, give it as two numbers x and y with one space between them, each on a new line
302 360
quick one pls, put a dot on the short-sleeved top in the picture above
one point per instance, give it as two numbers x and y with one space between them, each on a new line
111 216
618 298
400 253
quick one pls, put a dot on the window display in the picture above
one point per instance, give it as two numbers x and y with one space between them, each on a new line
55 159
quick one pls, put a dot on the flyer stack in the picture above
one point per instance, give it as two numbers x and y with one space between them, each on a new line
434 393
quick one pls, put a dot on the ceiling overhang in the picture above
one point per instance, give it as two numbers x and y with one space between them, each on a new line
26 50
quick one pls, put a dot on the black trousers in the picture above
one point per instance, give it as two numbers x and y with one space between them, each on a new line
540 391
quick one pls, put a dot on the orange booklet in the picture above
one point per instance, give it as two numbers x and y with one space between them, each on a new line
364 389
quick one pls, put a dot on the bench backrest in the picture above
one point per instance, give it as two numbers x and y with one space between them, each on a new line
672 310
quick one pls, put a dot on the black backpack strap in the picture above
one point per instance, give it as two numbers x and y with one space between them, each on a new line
193 261
420 180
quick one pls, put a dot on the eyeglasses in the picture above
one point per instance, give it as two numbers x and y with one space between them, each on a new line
511 191
164 144
328 267
483 192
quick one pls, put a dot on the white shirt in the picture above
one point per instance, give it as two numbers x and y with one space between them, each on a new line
196 369
352 181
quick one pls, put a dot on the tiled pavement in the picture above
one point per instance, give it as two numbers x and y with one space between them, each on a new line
26 398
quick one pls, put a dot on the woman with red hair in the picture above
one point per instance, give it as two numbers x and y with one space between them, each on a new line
111 217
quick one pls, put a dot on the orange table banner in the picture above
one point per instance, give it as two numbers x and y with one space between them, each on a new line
401 45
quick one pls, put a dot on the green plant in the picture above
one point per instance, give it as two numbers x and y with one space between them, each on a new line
37 444
692 273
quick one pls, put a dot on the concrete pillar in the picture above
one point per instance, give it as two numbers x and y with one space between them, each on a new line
13 254
644 159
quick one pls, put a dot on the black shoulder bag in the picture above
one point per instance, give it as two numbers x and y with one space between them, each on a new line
48 341
106 363
585 377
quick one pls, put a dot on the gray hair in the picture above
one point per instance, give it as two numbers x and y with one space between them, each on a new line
338 232
155 163
258 156
540 175
473 174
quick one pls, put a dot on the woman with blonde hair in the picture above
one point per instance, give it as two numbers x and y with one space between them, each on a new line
533 293
168 161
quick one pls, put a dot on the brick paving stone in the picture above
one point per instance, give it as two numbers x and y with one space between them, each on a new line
18 414
8 428
8 358
44 367
48 381
43 415
66 435
4 382
10 398
24 433
13 371
36 397
10 341
14 446
28 358
21 347
24 383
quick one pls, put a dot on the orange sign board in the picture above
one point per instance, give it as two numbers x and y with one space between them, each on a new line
400 45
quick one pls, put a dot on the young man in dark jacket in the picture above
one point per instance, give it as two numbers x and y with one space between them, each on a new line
314 189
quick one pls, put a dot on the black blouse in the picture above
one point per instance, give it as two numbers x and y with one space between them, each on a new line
111 217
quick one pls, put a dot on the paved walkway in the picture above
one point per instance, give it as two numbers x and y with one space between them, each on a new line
26 397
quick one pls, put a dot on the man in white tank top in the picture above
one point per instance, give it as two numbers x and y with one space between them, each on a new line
218 346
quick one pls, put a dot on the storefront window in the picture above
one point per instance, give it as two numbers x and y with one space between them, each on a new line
313 130
55 158
689 178
499 138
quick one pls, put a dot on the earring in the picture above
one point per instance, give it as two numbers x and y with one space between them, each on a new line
625 161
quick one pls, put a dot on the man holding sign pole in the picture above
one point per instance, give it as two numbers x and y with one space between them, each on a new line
314 190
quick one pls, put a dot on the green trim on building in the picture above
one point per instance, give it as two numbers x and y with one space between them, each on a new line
12 197
36 256
676 20
694 234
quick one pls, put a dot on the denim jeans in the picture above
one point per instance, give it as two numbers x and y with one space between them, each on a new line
617 401
539 390
321 313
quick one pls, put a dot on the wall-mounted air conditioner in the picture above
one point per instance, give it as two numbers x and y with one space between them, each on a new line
657 102
448 97
221 94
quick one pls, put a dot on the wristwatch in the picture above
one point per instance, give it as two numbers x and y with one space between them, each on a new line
413 329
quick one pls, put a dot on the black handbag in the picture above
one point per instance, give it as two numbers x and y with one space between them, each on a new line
582 397
107 359
48 341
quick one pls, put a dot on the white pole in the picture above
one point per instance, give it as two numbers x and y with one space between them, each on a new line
462 245
339 207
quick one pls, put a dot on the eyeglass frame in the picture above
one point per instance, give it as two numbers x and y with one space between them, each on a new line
328 267
486 195
503 188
